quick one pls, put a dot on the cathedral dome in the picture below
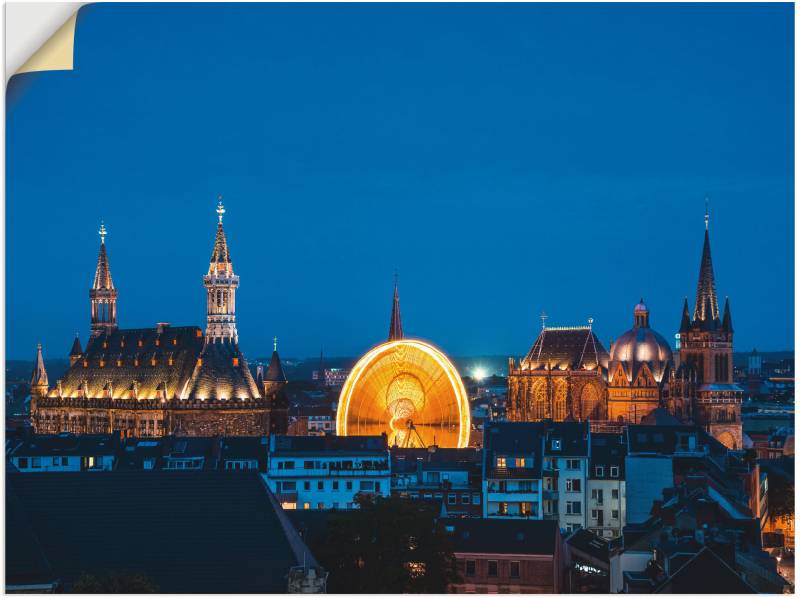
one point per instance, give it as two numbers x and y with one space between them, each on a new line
642 344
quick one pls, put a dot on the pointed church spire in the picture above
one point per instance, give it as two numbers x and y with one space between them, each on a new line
76 347
706 306
395 324
685 318
103 295
39 374
727 323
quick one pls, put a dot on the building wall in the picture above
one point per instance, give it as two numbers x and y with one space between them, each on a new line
569 500
63 464
537 574
611 527
645 479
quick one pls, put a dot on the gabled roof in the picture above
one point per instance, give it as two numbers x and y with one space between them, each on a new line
191 532
502 536
573 439
566 348
705 573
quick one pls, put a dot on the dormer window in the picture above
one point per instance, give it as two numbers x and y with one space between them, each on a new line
235 361
140 343
174 341
86 363
555 444
614 471
158 342
102 363
198 333
599 471
119 363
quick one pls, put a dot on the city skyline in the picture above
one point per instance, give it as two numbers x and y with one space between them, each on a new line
490 217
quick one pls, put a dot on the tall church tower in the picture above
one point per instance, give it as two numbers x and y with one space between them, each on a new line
706 349
395 322
103 295
221 284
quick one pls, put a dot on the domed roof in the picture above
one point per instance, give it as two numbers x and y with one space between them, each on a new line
642 344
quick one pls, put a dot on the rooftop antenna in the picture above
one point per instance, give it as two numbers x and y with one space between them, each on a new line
543 316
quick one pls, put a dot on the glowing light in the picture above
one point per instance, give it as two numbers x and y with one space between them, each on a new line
479 373
402 382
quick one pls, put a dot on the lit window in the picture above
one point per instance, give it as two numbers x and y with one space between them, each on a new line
501 461
556 444
306 505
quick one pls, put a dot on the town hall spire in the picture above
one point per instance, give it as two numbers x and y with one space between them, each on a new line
395 323
221 284
103 295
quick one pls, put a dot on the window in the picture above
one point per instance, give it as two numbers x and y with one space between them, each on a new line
308 465
476 499
501 462
599 471
349 485
573 507
320 505
64 461
615 494
336 505
574 485
614 471
451 499
55 460
23 462
306 505
320 485
573 464
514 570
502 508
555 444
520 462
525 508
492 568
594 513
465 499
306 485
37 462
366 486
597 494
335 484
433 477
289 486
287 465
614 514
470 570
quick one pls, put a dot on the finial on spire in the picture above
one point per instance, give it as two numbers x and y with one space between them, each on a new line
591 321
274 343
706 217
543 316
102 232
220 209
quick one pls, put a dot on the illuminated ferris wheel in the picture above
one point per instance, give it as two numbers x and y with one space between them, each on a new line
408 390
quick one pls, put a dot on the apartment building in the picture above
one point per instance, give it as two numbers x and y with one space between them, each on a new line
327 472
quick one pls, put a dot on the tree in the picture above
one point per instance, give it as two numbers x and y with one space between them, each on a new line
387 545
114 583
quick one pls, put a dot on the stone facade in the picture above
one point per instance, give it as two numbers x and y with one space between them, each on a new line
151 382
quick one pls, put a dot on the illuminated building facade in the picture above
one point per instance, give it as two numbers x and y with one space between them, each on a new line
639 370
408 390
563 376
164 380
703 388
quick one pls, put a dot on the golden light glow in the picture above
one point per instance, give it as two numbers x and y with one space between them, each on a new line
400 383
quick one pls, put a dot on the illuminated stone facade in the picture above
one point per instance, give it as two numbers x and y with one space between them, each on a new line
563 376
150 382
703 389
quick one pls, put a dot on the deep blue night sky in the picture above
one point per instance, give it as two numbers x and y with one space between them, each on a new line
505 159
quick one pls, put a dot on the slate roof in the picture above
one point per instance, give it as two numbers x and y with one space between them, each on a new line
657 439
564 348
26 562
573 437
502 536
102 273
195 532
275 369
706 573
514 439
51 445
607 449
327 444
404 460
112 356
243 447
590 544
218 378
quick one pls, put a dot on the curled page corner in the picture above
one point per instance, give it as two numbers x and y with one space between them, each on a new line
39 38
